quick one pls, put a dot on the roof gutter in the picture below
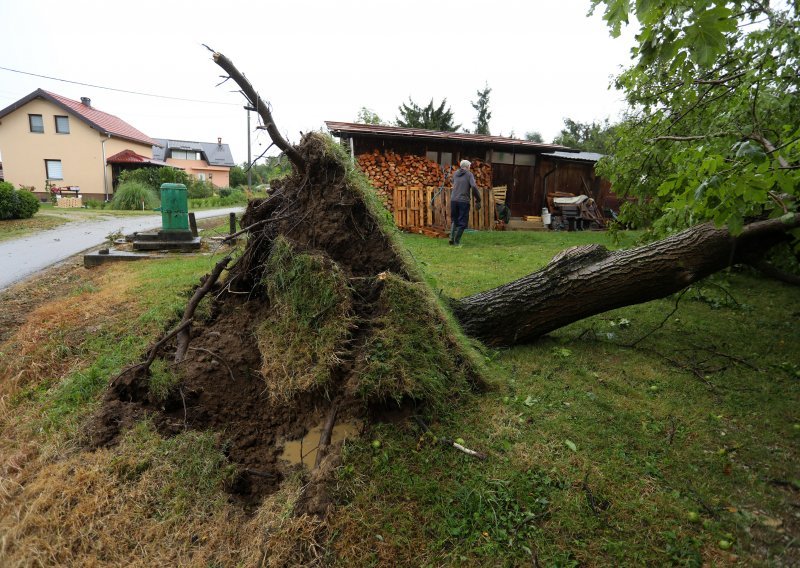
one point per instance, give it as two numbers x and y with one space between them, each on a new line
105 166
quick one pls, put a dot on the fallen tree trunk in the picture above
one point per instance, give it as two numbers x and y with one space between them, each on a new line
584 281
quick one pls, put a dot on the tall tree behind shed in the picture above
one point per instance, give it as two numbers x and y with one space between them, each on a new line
481 106
430 117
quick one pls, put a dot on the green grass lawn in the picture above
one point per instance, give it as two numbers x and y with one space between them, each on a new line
680 451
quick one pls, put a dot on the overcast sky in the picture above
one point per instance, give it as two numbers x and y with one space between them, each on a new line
314 61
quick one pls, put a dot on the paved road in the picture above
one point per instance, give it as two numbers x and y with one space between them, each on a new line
25 256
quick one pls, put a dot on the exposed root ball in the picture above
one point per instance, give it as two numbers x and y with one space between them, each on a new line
322 307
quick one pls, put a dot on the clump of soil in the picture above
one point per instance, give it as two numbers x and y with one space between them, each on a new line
324 214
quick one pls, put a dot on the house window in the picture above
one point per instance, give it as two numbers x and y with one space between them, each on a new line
502 157
184 155
62 124
525 159
53 168
201 177
36 123
432 156
447 159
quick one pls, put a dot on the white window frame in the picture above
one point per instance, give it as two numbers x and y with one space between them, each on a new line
66 122
55 167
41 123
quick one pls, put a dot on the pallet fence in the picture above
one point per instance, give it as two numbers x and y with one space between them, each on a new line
418 207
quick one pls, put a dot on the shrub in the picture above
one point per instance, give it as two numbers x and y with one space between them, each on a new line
235 197
6 200
93 204
16 204
133 196
154 177
26 204
198 189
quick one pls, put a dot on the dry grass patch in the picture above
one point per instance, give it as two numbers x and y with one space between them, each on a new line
49 344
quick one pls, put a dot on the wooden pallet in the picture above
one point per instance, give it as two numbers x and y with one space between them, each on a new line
69 202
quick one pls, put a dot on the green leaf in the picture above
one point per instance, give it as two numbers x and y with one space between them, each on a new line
616 14
705 36
571 445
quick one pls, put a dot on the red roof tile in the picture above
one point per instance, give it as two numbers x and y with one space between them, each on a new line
107 123
102 121
131 157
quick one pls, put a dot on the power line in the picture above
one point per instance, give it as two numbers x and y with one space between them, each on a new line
118 90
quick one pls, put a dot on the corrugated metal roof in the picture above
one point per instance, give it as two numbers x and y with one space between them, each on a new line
216 154
102 121
349 128
579 156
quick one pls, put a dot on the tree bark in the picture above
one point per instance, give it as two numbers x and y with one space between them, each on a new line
588 280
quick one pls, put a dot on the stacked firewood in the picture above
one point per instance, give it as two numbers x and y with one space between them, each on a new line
482 172
387 170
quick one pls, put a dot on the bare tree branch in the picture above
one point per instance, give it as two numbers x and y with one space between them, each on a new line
261 108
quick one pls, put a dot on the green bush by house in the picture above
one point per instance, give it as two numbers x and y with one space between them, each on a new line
133 195
16 203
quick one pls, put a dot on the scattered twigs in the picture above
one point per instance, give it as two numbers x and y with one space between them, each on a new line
673 428
451 443
208 282
733 358
261 108
325 436
664 321
596 505
460 448
215 356
694 370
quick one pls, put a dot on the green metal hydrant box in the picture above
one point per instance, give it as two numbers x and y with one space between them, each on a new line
174 207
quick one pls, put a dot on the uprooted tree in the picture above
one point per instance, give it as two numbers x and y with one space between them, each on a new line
323 314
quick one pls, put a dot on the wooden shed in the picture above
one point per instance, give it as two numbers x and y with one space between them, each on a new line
529 170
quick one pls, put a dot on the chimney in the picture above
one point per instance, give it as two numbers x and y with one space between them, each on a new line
219 141
86 101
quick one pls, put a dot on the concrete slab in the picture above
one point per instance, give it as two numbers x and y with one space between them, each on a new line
93 259
179 246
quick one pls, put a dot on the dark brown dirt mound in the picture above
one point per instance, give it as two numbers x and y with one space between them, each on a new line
318 211
221 387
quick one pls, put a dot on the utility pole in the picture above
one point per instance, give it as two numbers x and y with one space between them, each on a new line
248 108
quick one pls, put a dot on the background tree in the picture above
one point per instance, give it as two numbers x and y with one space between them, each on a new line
274 167
481 106
590 137
237 175
714 131
431 117
534 136
367 116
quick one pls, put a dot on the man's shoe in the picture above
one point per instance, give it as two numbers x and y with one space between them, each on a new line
451 242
